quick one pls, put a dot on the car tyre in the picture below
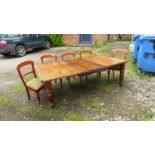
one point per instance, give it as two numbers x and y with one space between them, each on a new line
20 51
47 44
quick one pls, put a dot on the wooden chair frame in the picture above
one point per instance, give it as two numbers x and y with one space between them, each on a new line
86 51
45 56
125 53
63 55
22 76
67 53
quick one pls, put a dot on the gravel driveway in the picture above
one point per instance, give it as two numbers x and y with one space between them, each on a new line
8 72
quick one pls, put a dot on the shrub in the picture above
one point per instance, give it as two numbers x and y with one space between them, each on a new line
101 44
123 37
95 45
56 39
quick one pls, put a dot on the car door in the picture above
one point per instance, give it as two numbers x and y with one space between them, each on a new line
37 40
27 40
41 39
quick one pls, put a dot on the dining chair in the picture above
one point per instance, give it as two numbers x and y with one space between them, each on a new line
86 53
123 56
34 84
48 56
67 55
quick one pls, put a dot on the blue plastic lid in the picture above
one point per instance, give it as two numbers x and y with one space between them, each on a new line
147 37
136 35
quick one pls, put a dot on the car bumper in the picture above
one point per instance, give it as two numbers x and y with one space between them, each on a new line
8 49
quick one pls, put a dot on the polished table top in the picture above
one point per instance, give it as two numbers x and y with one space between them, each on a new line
61 69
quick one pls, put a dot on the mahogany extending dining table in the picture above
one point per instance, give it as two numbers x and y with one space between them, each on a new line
61 69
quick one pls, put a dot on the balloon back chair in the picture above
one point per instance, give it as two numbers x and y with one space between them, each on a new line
34 85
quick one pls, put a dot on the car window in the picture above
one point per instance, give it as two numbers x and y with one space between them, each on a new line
33 35
25 35
10 35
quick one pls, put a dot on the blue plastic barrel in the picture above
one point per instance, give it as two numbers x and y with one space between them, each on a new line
136 47
146 57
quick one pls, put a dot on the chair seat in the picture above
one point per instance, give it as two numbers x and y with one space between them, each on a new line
35 84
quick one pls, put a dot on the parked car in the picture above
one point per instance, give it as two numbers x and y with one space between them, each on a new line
19 44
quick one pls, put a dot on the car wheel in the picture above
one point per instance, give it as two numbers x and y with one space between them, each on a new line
47 44
20 51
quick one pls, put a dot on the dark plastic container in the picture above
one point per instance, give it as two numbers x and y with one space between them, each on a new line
136 47
146 56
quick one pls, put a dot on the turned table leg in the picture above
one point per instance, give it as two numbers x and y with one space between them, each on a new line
121 77
48 86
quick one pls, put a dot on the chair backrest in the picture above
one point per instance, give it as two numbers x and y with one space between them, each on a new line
85 52
47 56
24 64
66 54
123 51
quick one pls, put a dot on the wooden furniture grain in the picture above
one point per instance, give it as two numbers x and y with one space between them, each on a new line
34 84
62 69
67 54
89 53
124 53
70 55
48 56
86 51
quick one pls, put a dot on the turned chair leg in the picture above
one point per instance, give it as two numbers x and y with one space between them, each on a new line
69 80
28 93
113 74
38 97
86 77
80 79
61 82
108 75
97 75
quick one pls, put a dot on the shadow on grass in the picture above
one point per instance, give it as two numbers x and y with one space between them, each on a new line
72 102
